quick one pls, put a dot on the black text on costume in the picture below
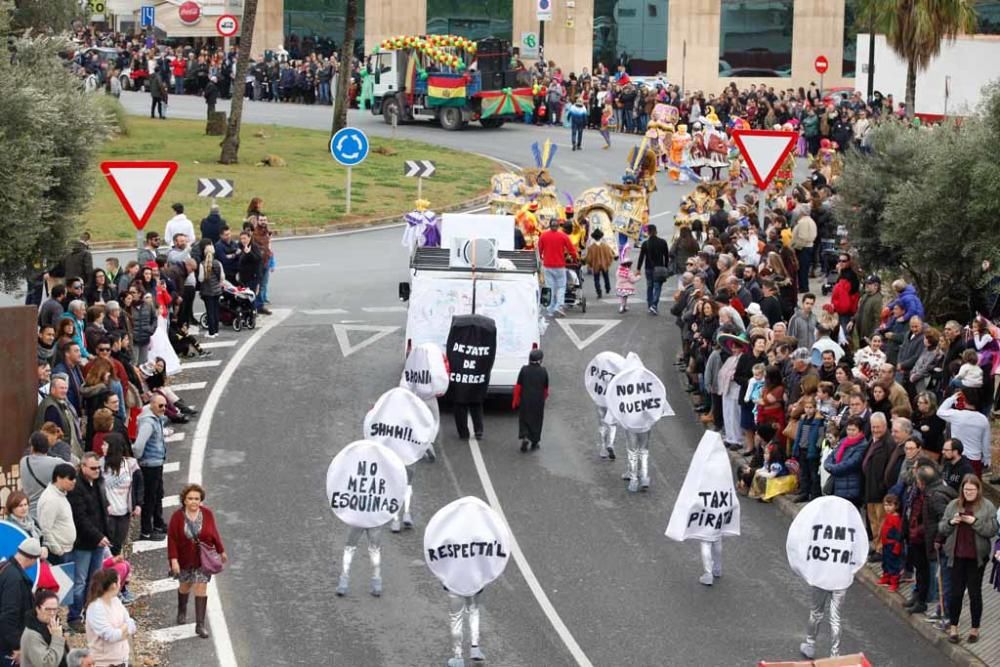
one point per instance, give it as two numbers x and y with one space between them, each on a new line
365 492
467 550
716 511
842 549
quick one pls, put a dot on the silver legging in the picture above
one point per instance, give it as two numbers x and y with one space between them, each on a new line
458 605
711 557
374 549
405 509
637 446
606 432
817 610
432 403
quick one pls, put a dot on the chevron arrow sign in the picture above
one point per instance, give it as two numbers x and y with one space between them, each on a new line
419 168
214 187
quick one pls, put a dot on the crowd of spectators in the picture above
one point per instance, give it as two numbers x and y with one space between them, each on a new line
861 398
108 339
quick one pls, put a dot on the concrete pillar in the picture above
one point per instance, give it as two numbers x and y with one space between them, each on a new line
818 29
17 390
569 36
697 23
386 18
269 31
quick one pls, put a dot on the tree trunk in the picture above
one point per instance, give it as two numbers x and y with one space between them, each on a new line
231 142
911 88
346 67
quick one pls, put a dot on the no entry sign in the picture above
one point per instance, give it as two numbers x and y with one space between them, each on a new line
227 25
821 64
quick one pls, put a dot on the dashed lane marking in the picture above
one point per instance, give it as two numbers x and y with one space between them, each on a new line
214 344
174 437
141 546
189 386
191 365
173 466
385 309
326 311
171 501
174 633
160 586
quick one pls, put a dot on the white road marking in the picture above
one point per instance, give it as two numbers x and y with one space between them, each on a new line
174 632
173 466
660 215
522 563
171 501
378 332
385 309
603 326
174 437
189 386
191 365
160 586
216 615
212 344
506 163
295 266
326 311
139 546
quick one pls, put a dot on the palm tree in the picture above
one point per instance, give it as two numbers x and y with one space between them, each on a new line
231 142
346 65
915 29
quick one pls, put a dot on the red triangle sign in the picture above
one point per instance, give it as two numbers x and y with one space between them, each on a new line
764 151
139 186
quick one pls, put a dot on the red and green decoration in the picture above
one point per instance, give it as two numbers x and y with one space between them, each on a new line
508 101
433 46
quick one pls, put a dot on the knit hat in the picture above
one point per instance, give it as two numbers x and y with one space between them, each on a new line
535 356
30 547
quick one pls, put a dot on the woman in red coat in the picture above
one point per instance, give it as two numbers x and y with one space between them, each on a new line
189 525
847 291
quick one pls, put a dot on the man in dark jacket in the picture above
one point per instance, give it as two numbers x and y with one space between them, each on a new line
954 466
211 95
79 263
227 252
157 94
874 465
211 226
655 252
16 597
90 516
52 310
935 496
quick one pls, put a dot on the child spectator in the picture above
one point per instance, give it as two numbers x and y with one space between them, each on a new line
530 393
807 448
607 123
745 474
773 466
970 375
824 400
755 387
625 283
892 543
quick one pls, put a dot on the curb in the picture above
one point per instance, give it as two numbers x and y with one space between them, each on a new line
957 653
326 229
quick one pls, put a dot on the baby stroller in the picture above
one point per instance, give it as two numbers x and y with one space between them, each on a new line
575 297
235 307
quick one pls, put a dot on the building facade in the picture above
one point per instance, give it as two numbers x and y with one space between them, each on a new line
701 44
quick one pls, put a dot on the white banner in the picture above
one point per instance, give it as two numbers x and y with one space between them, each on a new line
426 371
403 423
636 398
365 484
466 545
827 543
707 506
600 371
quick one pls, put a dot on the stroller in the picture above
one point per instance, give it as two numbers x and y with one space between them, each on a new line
575 297
235 307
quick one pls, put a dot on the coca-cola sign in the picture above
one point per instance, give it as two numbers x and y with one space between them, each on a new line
189 12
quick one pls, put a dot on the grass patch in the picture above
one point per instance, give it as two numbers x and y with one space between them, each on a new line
308 192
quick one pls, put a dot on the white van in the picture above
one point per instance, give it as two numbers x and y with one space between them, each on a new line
476 270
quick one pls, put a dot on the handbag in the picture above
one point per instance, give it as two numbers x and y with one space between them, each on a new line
791 429
660 274
211 561
828 486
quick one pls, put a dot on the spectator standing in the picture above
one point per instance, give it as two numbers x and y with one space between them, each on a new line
655 252
226 251
90 516
56 408
79 263
954 465
971 427
211 95
210 276
212 225
151 451
179 224
42 642
52 310
873 467
844 464
846 291
260 230
55 515
803 238
934 497
149 250
108 622
599 258
803 323
157 94
578 123
16 599
968 527
36 469
191 526
122 488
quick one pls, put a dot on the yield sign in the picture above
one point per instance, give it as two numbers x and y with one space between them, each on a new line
375 333
603 326
764 151
139 186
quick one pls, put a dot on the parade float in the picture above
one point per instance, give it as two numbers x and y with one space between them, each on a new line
447 78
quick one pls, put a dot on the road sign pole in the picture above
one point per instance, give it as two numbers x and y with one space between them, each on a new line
420 187
760 211
348 211
139 239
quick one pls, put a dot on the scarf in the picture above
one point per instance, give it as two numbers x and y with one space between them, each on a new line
46 353
844 444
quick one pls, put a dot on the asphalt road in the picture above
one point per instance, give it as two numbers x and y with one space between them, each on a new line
626 593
